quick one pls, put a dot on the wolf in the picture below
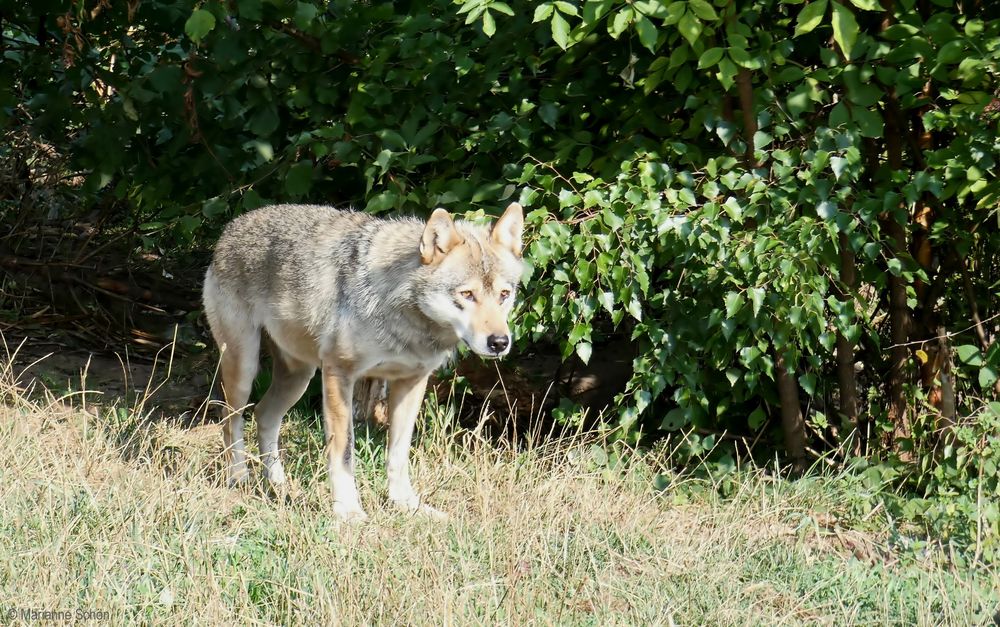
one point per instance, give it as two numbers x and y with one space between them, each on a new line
354 296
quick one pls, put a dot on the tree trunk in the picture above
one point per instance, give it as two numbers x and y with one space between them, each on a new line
845 354
899 314
791 414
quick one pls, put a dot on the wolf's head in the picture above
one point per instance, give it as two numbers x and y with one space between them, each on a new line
474 273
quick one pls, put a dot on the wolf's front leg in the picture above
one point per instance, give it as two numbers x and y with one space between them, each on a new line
405 396
339 429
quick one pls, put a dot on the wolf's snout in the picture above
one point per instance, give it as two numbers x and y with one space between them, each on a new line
497 343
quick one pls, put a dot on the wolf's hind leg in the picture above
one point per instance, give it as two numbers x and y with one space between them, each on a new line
289 380
239 367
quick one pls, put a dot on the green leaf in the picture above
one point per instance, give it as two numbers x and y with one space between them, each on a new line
549 113
382 160
560 30
620 22
264 122
845 28
690 26
199 24
250 9
542 12
734 301
869 120
710 57
489 25
647 33
299 179
502 7
584 350
704 10
305 13
970 354
808 383
727 73
867 5
566 7
987 377
757 298
809 17
826 209
838 165
594 10
675 419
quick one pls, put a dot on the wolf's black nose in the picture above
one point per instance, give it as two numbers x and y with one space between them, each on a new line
498 343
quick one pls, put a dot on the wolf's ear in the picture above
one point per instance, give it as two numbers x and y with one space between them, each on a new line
507 230
440 236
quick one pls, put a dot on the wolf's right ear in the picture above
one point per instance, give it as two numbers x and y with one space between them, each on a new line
507 230
440 236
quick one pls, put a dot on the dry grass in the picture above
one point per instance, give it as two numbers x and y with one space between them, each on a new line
117 514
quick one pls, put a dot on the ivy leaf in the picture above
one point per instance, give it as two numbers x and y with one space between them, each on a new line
560 30
845 28
809 17
199 24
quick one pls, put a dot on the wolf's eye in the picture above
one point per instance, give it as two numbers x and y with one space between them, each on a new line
504 295
468 295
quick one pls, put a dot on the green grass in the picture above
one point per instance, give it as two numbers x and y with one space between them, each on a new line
111 514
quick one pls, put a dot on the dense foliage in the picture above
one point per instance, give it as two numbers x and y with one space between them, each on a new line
788 210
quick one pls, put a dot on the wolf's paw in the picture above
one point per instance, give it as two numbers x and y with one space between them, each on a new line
284 492
239 480
349 511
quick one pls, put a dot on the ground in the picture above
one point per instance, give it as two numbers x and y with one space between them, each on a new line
109 511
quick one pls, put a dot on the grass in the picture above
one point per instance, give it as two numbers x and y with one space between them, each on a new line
125 517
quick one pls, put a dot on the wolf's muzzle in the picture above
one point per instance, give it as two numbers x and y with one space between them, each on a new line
497 343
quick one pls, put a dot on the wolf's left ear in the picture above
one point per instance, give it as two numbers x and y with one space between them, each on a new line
506 231
440 236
